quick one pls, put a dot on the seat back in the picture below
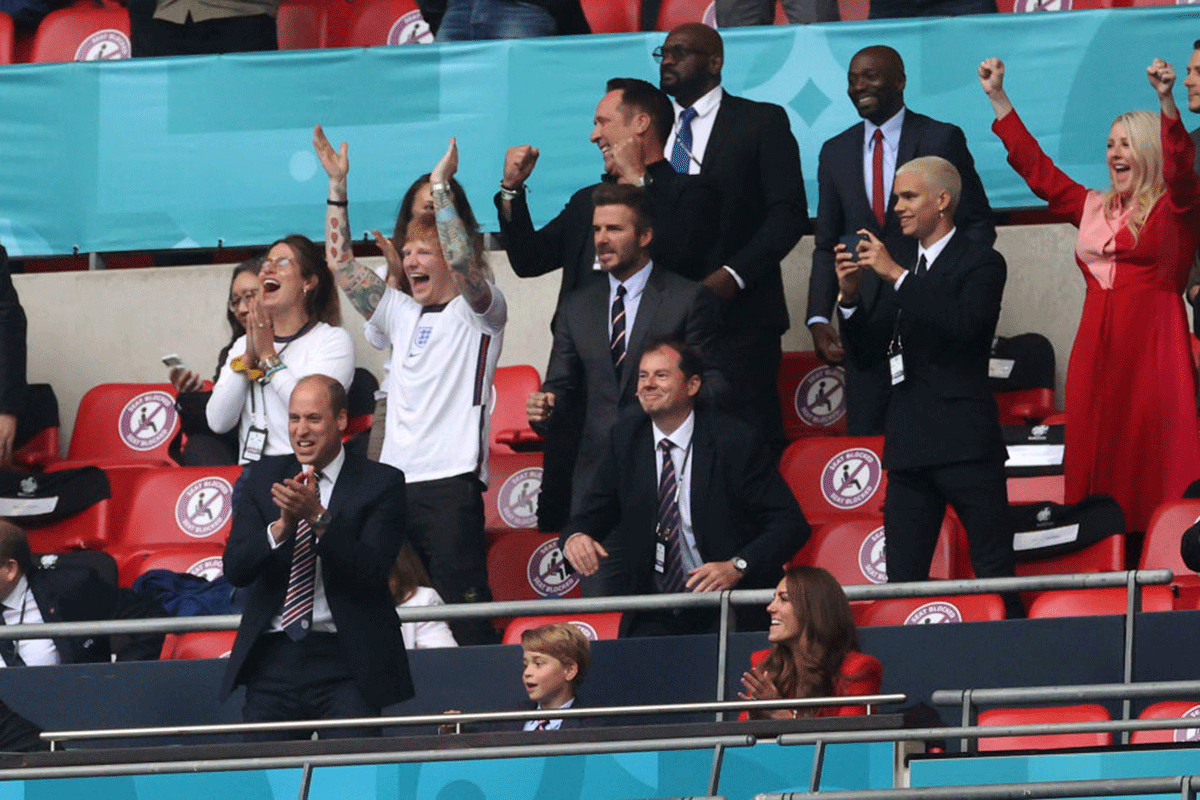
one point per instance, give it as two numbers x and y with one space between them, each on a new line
673 13
613 16
133 421
1160 550
812 395
375 22
198 644
1106 555
527 565
510 431
1170 709
1036 489
511 500
82 33
594 626
836 477
1025 406
853 551
180 506
1031 716
202 560
6 39
1109 600
934 610
304 24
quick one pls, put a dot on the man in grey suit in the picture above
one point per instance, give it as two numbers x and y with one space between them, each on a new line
601 327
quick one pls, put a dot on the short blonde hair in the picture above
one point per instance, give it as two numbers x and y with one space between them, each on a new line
563 641
939 174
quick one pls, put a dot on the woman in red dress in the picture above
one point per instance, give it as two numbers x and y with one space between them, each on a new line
815 648
1131 386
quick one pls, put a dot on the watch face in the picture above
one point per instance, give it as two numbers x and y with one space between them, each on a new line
740 564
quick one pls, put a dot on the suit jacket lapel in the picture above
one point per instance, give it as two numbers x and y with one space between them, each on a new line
722 129
853 172
347 479
652 297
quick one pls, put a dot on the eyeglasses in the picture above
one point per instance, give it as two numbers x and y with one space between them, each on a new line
677 52
236 300
283 262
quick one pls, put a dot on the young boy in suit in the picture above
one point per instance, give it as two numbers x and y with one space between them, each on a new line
555 661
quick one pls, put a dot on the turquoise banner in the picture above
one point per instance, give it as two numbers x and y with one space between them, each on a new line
192 152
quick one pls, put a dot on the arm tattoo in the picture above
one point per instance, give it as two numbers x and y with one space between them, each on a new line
363 287
459 253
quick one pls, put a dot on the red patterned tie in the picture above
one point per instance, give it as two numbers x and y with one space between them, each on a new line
877 198
298 604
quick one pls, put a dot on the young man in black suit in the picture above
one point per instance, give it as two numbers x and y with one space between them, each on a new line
930 327
855 178
689 498
314 535
748 150
632 122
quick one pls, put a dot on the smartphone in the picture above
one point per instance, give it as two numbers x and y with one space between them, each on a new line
172 360
851 241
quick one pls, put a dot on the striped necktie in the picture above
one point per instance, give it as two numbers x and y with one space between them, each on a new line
674 577
617 345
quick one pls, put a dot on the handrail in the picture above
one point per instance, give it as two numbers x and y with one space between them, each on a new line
1092 691
479 716
1184 786
518 608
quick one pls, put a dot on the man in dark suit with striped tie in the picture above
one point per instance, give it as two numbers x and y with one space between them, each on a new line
688 497
314 535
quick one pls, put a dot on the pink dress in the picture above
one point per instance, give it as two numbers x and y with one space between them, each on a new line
1131 386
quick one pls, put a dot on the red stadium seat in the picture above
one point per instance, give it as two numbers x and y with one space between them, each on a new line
1106 555
6 39
1037 716
374 22
812 395
198 644
853 9
131 421
673 13
97 526
930 610
180 506
82 33
1057 418
836 477
510 502
39 451
527 565
304 24
357 424
613 16
1036 488
1096 602
1170 709
1019 6
201 560
1025 406
510 429
1160 550
594 626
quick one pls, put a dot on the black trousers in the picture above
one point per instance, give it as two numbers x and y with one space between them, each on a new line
916 503
445 525
750 359
308 679
156 37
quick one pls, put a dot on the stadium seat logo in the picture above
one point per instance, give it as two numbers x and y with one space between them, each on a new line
1041 5
851 478
410 29
547 571
208 568
1188 734
147 420
934 613
710 15
517 500
872 561
586 630
821 397
105 45
204 507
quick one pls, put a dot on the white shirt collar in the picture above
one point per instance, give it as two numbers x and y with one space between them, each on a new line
17 594
934 250
634 284
681 437
333 469
890 127
706 104
567 704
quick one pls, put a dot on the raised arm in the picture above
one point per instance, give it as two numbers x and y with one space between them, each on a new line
1183 187
363 287
454 237
991 78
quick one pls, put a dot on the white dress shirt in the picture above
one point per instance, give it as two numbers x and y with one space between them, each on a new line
681 457
551 724
891 145
635 284
20 608
322 619
931 253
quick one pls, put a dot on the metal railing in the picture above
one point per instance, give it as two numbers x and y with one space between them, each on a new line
1183 786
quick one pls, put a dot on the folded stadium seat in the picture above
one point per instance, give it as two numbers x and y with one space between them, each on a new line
527 565
1036 488
1040 716
96 527
1057 418
1169 709
82 33
511 500
673 13
125 421
510 431
1021 377
1160 550
855 9
38 428
198 644
852 550
931 610
38 451
305 24
202 560
180 506
374 22
613 16
812 395
1107 601
836 477
1106 555
594 626
6 39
